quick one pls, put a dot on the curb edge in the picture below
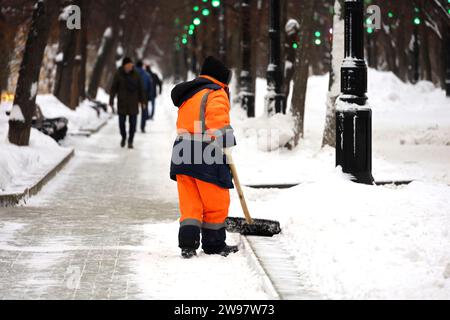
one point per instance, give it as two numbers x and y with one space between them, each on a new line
11 200
255 264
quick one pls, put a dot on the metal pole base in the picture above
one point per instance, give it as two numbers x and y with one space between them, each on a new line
354 144
275 103
248 104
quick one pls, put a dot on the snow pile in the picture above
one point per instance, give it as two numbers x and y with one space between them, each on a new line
21 166
268 134
83 118
411 114
364 242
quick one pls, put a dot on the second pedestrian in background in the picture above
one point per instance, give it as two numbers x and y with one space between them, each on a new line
157 83
148 88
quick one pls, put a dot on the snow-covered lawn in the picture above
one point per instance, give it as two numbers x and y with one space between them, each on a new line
21 167
356 241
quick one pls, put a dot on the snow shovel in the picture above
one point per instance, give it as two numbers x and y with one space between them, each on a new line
248 226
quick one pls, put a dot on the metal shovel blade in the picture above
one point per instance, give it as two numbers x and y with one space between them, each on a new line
260 228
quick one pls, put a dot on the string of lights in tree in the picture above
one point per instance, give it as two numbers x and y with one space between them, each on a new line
201 10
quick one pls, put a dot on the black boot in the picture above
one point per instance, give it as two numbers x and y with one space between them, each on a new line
213 241
130 145
228 250
122 143
188 253
189 241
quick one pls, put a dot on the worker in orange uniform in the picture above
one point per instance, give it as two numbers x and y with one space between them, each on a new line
198 163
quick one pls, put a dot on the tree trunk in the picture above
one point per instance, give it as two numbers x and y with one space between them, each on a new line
427 74
105 51
68 87
402 55
247 93
302 70
83 49
25 98
256 41
337 56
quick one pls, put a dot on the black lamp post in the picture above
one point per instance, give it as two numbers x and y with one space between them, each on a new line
275 99
447 75
354 116
247 93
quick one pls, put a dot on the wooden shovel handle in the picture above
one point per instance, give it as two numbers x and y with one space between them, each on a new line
237 183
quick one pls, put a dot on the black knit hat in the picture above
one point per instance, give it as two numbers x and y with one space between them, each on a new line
126 61
216 69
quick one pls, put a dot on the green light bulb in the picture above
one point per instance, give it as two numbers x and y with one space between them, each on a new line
317 34
215 3
205 12
197 21
417 21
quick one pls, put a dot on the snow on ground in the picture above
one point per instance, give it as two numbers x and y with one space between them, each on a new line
24 166
355 241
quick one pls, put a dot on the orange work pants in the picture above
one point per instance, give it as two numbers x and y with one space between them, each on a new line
202 204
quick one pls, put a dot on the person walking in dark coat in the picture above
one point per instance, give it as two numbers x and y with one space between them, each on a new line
148 88
129 89
154 93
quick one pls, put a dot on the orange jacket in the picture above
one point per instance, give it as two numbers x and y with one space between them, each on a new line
203 116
